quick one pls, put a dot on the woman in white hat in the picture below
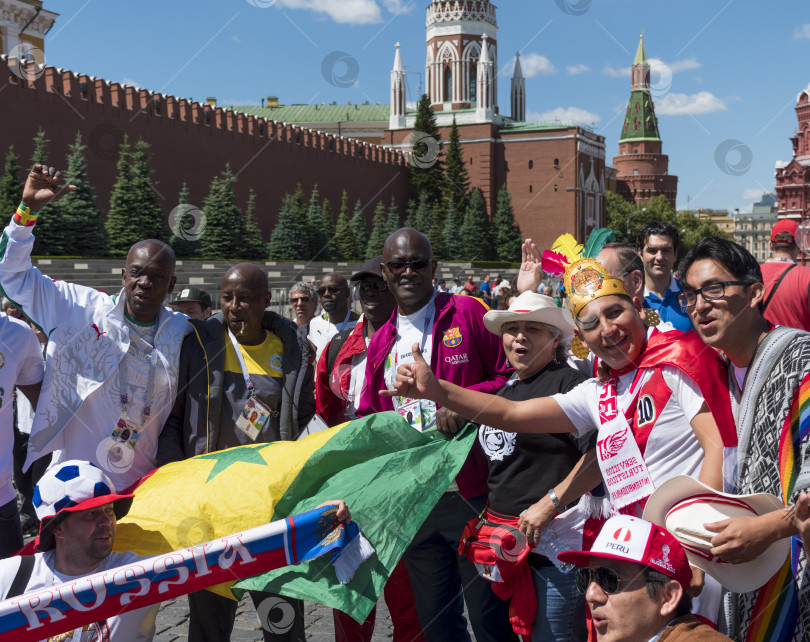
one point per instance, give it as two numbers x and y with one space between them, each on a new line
528 473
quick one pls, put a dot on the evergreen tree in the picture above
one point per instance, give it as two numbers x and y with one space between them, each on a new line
254 246
453 244
410 214
11 187
40 154
315 238
427 175
508 239
378 232
423 217
436 232
224 235
82 226
328 232
475 231
135 213
456 179
287 242
392 223
360 232
345 247
183 238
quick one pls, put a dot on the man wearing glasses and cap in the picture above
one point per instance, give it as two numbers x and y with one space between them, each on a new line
635 580
336 298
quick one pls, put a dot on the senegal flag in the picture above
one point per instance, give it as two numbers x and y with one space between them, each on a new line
390 475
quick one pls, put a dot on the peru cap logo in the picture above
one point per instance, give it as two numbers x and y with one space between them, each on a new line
452 338
622 535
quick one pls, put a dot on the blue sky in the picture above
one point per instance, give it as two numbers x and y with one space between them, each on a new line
725 83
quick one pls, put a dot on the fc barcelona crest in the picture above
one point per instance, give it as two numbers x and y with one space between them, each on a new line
452 338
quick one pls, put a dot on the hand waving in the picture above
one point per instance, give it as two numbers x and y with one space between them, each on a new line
42 187
415 380
531 272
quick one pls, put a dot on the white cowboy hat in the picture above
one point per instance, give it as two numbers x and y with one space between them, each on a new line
683 505
531 306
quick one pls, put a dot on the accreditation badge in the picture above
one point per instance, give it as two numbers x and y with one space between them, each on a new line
253 417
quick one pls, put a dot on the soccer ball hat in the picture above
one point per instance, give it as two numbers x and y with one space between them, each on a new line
70 487
631 539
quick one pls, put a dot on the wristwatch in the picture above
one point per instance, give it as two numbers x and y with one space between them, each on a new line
558 507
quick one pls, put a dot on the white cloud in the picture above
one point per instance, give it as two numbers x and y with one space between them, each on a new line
752 194
703 102
536 65
343 12
399 6
576 70
674 67
565 115
802 32
617 72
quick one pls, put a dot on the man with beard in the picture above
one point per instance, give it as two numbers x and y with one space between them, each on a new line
335 298
112 360
244 378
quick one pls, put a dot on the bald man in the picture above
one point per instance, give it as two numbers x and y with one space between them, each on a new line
259 388
112 360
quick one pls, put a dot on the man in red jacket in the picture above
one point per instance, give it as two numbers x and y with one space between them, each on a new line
453 339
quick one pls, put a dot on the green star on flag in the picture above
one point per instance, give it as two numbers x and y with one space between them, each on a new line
227 458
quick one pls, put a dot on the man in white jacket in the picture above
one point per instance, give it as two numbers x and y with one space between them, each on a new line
112 360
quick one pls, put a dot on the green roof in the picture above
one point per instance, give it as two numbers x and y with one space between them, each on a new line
641 55
527 127
640 121
319 113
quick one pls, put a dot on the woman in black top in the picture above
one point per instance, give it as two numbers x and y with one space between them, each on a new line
533 476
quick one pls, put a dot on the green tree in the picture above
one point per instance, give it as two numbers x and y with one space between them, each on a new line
475 231
83 230
436 232
287 242
410 214
379 232
184 226
135 213
456 178
360 232
451 233
254 246
346 248
40 154
507 234
392 223
11 187
423 217
224 235
426 172
315 237
328 231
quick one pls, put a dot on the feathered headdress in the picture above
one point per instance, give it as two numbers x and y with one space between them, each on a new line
583 277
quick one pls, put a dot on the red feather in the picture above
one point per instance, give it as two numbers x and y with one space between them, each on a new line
553 262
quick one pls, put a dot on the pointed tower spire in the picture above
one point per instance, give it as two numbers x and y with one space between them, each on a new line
486 84
518 92
398 91
641 69
641 55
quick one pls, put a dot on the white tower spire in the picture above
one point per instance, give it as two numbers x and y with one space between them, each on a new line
486 85
398 91
518 92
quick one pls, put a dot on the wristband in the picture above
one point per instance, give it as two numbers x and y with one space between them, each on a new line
555 500
24 216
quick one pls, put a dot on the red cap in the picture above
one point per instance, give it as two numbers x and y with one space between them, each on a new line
631 539
785 226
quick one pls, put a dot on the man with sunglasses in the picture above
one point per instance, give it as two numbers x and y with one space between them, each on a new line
335 297
450 333
769 377
304 302
635 580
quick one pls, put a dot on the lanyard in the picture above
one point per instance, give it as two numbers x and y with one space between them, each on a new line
150 382
242 365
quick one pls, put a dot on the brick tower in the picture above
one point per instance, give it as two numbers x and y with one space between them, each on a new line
793 178
641 168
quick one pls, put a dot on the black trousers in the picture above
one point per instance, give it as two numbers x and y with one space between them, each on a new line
442 580
211 617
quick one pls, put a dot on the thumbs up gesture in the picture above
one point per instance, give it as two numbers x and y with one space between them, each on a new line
415 380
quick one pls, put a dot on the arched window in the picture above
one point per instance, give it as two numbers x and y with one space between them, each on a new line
448 84
473 87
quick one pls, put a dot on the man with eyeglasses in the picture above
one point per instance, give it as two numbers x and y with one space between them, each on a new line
339 383
635 579
450 334
304 302
335 297
769 377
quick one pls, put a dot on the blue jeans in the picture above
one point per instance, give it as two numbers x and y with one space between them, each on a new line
560 607
11 538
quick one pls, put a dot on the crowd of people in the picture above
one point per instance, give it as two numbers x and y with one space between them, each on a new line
640 466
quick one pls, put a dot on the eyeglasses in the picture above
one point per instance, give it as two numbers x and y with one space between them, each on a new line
300 299
398 267
606 579
333 289
374 287
710 292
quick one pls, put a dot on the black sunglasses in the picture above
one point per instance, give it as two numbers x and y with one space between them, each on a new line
606 579
376 286
300 299
398 267
333 289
